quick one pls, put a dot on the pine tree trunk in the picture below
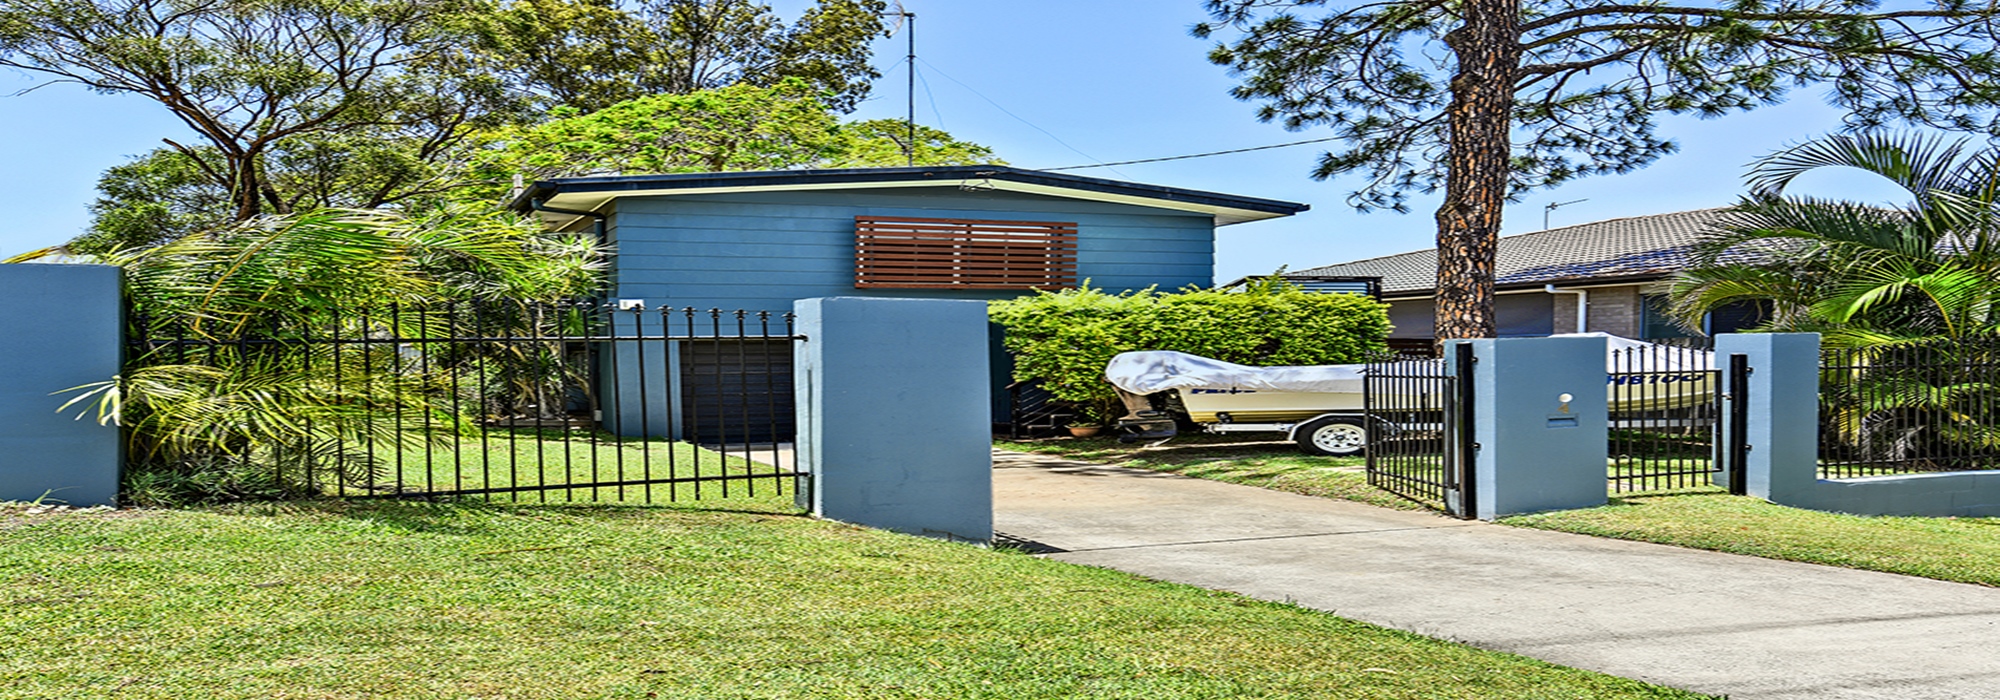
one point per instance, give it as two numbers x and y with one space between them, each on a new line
1488 52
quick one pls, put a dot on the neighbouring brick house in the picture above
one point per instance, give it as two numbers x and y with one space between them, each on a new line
1611 274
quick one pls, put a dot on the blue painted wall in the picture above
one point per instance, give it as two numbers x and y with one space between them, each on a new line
62 330
762 251
1783 434
894 427
1537 452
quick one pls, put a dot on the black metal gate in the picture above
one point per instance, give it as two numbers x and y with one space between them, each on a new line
1420 430
1666 407
503 400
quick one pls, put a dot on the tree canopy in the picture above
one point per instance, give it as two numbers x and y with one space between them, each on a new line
306 104
741 127
1486 99
163 195
591 54
250 75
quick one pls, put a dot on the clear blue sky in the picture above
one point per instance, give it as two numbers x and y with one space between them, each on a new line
1112 79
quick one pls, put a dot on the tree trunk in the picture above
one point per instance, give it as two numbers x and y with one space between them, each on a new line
1480 117
245 187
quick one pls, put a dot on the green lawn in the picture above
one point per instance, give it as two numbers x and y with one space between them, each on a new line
409 600
1952 549
503 459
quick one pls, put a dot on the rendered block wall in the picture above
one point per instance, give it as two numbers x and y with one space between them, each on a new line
894 414
60 328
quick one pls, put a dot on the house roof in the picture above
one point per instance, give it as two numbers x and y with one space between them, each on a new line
1634 248
589 194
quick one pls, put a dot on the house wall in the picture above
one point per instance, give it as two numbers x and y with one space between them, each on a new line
1519 316
761 251
1411 318
1613 310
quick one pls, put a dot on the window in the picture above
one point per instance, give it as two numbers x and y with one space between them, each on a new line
913 253
1654 322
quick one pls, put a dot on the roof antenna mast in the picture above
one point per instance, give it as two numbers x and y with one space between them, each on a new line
906 21
1552 206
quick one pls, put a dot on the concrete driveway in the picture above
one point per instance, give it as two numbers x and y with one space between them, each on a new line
1702 621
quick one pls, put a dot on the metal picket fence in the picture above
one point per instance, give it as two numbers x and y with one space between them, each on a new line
505 400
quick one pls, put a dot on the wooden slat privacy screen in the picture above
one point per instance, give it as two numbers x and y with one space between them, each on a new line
891 251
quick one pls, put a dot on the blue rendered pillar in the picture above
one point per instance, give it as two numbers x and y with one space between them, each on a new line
61 327
1538 451
1783 462
894 414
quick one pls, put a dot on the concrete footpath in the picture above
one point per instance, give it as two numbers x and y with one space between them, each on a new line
1702 621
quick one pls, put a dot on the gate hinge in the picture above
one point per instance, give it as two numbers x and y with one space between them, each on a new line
1746 448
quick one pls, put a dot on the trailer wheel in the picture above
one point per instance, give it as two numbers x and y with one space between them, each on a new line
1332 437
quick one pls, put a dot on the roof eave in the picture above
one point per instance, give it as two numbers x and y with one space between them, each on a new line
593 193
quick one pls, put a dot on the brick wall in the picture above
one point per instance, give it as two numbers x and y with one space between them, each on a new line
1613 310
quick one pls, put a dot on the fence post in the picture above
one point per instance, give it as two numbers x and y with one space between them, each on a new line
895 416
1781 432
1540 424
62 326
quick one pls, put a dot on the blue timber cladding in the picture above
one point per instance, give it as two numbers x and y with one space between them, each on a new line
761 251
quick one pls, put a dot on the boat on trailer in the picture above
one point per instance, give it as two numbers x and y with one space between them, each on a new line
1323 408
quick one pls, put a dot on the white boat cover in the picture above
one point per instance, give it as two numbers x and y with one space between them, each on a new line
1154 371
1641 356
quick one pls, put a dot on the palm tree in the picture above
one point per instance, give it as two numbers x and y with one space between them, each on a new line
1860 274
1904 297
237 384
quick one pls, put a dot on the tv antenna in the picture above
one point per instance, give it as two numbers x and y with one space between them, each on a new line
1552 206
906 22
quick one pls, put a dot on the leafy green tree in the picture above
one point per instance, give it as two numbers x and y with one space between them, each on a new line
166 194
304 104
1486 99
250 77
1862 274
878 143
153 199
741 127
592 54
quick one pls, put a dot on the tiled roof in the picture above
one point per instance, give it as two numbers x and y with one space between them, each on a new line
1631 247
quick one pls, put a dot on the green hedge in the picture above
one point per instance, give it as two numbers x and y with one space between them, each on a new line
1066 338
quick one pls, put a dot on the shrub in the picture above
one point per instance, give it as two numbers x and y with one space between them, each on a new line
1066 338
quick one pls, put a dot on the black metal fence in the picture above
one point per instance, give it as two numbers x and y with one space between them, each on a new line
569 402
1913 408
1419 426
1665 407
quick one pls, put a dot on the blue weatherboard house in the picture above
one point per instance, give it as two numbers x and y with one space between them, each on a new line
758 241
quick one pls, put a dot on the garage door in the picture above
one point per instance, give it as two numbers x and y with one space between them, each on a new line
735 391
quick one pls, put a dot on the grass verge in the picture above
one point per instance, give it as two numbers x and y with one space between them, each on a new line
1966 550
1273 465
406 600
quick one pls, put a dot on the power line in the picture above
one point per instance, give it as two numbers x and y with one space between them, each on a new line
933 100
1017 117
1199 155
